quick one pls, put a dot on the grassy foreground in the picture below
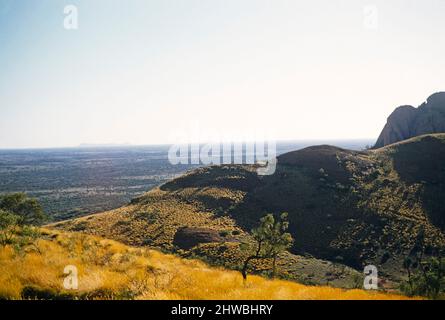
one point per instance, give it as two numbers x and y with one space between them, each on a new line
111 270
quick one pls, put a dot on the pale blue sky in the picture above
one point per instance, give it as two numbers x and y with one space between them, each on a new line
145 71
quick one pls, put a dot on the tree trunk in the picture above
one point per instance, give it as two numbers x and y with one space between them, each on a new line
246 262
274 266
245 266
410 281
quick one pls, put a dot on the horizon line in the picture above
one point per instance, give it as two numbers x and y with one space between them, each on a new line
130 145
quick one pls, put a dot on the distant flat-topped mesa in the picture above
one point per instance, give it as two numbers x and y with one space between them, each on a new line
407 122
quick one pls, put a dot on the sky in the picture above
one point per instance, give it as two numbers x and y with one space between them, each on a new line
153 72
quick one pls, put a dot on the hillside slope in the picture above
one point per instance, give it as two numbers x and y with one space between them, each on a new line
110 270
348 207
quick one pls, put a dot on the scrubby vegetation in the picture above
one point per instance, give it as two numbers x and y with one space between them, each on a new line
425 271
111 270
153 221
351 208
425 278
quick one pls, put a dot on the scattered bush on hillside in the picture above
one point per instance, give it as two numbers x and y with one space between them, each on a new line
271 239
224 233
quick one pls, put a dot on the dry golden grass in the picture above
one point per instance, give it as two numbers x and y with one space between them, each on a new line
111 270
154 223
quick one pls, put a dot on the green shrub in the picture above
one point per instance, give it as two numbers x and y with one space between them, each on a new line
428 278
224 233
28 210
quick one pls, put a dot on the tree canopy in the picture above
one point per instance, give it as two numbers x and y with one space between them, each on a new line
18 208
271 239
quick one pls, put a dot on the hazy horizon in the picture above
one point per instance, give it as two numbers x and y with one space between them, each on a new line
163 72
309 142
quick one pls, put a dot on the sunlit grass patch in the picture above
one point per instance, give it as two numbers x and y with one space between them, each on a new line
111 270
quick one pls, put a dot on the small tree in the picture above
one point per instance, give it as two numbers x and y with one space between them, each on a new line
426 276
17 215
271 239
427 280
28 210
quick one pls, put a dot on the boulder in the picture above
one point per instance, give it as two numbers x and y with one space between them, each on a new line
188 237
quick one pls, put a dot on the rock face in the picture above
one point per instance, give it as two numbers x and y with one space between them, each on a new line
407 122
187 238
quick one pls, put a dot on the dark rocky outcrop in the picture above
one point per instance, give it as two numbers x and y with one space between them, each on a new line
187 237
407 122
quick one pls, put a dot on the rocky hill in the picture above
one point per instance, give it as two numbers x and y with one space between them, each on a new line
407 122
345 208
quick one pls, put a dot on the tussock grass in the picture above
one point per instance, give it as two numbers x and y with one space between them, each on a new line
111 270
